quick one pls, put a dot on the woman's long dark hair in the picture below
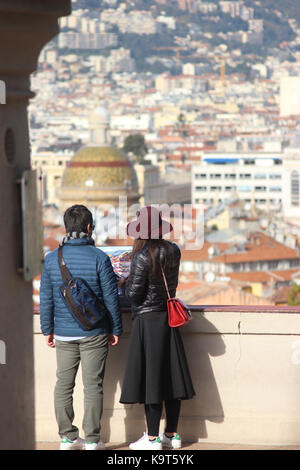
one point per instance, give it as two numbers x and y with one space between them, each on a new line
153 248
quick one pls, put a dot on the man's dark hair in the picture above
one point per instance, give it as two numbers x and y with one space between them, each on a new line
77 218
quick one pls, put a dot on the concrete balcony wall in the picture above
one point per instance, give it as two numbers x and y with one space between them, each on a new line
245 366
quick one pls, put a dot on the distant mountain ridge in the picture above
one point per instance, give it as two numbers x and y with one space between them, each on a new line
213 25
288 8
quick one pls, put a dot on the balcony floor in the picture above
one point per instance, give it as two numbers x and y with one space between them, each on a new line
187 446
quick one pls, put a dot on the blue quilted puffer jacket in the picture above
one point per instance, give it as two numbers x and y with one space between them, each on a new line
86 261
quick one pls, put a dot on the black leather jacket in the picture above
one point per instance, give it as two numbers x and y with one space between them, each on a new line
146 293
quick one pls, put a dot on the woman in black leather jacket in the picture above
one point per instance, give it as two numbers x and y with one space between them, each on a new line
156 370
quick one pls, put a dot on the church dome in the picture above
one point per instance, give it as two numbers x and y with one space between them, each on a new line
97 175
106 167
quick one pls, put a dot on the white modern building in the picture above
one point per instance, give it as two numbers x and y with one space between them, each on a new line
136 122
75 40
265 180
289 96
50 167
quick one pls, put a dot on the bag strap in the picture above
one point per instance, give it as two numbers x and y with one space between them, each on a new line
165 281
65 273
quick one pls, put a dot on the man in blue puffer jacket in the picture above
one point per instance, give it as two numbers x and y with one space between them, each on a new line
73 344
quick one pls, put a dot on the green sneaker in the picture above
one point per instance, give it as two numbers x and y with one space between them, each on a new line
94 445
170 442
68 444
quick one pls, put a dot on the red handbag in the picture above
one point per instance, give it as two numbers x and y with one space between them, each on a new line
178 312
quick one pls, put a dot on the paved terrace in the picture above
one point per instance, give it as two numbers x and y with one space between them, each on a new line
188 447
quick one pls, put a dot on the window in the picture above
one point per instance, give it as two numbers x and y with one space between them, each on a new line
236 267
273 264
260 176
245 189
295 188
245 176
277 189
275 177
231 175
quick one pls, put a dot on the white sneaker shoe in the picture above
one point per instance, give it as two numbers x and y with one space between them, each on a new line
170 442
144 444
94 445
67 444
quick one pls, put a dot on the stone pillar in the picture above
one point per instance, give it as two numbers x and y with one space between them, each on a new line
25 27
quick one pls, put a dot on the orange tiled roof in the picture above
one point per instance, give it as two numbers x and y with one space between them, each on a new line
261 247
261 254
50 242
264 276
264 248
201 254
119 242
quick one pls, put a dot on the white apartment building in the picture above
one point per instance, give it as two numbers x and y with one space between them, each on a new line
74 40
136 122
138 22
289 96
169 21
50 169
266 180
166 83
119 60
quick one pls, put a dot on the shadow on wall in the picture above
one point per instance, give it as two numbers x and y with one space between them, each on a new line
206 405
201 340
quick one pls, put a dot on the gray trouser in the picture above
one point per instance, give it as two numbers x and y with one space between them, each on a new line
92 352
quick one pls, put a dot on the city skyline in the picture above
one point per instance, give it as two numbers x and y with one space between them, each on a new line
203 107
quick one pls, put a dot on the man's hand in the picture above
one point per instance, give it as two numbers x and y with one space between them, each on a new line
50 340
113 340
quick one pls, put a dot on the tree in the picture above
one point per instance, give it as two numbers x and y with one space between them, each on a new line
293 297
136 144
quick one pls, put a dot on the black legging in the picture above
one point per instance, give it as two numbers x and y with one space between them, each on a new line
154 412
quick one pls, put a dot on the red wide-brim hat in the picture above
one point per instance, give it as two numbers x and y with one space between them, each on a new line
148 225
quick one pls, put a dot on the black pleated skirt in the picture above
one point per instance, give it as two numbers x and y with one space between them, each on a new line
156 368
